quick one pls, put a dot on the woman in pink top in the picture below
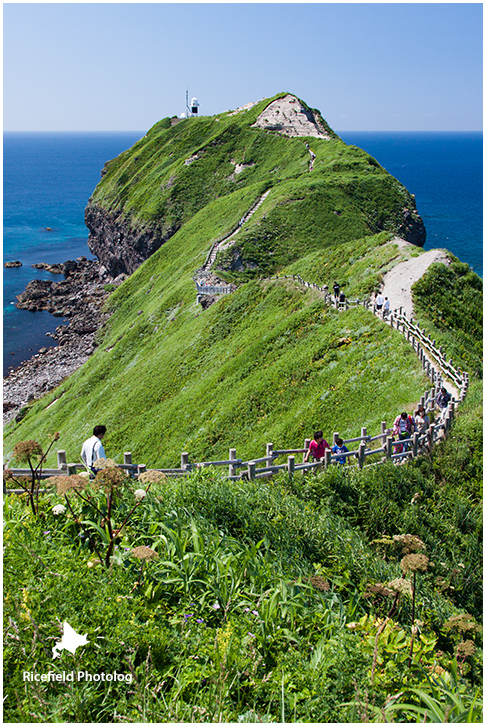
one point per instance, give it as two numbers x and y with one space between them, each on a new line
317 447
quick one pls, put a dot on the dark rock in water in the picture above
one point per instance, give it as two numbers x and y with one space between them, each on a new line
69 266
54 269
15 263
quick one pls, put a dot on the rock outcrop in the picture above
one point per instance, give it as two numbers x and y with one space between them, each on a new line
290 117
120 247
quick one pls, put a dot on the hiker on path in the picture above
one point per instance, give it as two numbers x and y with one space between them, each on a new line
386 307
442 400
93 448
403 426
340 448
335 289
422 421
342 297
317 447
379 301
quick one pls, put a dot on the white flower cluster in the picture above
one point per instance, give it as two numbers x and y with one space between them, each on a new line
58 509
139 494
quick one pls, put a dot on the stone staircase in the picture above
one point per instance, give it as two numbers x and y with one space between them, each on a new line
204 272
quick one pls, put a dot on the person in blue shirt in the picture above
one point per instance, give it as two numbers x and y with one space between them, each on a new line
339 448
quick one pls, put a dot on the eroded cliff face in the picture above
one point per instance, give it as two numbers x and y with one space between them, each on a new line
120 247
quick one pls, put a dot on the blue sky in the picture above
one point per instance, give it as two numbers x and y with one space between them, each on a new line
124 66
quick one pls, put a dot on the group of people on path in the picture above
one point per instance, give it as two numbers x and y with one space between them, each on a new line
382 304
403 427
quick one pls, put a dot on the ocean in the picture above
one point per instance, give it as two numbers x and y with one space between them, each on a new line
49 177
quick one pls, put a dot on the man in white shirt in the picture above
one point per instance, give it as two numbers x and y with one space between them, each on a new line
379 301
93 448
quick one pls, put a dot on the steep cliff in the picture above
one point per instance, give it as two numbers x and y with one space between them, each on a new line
150 191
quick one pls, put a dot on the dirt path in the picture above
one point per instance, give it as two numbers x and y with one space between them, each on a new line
397 284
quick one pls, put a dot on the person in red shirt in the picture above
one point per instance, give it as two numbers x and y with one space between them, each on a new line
317 447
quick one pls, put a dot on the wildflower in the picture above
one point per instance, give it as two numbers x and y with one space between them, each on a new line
462 623
58 509
246 610
144 553
254 612
139 494
24 451
151 477
199 620
48 531
109 477
319 583
65 483
251 635
409 542
188 615
401 585
465 648
216 606
413 563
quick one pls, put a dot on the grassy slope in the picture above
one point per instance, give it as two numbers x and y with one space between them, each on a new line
269 362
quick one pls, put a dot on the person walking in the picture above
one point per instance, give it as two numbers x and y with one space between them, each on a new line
340 448
404 426
93 449
442 401
317 447
336 289
379 302
422 421
386 307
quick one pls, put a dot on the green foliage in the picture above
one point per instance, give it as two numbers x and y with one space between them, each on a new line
448 301
235 620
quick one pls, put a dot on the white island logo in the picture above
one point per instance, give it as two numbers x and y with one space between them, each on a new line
70 641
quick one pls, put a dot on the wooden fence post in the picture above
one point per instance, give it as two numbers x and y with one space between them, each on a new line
415 441
431 434
388 447
306 447
232 467
127 458
291 466
141 468
335 437
363 431
61 459
184 460
383 432
327 458
251 470
71 469
361 454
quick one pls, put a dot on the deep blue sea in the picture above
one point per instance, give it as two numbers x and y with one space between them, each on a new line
49 177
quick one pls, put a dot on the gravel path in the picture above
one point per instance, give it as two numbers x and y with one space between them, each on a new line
397 284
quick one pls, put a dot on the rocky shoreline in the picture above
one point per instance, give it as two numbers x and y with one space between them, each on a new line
79 297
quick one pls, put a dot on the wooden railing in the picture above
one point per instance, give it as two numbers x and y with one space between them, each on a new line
250 469
412 447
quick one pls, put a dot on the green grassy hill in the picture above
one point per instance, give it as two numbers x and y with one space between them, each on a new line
271 361
342 596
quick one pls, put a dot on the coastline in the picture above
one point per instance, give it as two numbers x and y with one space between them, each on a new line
80 296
